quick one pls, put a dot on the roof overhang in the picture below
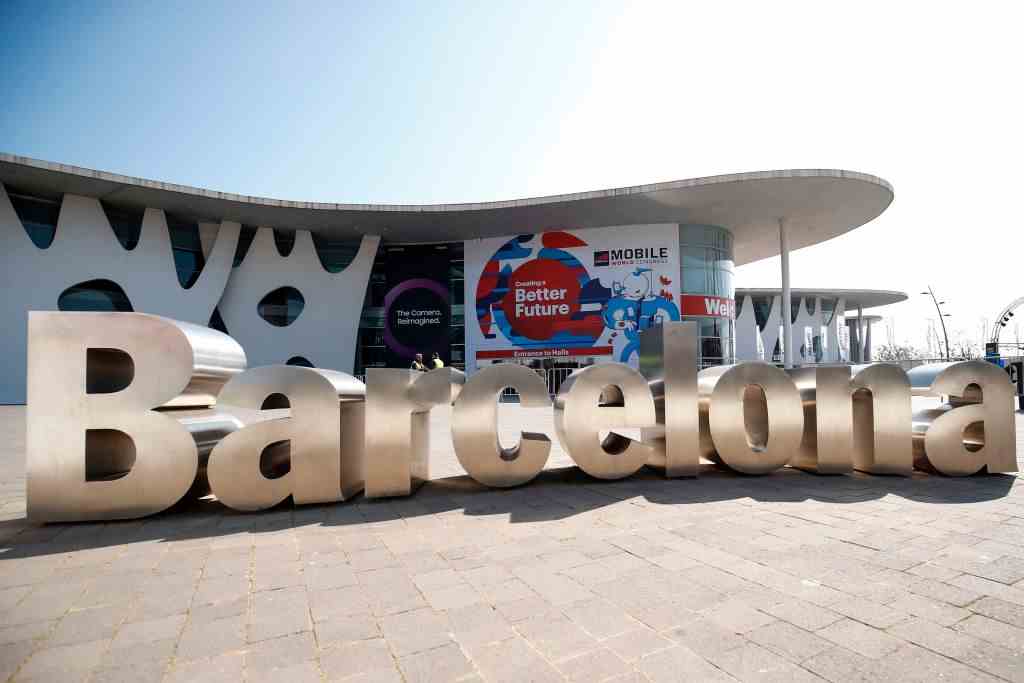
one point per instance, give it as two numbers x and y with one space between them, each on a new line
816 205
863 298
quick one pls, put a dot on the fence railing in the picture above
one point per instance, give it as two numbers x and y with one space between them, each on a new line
553 377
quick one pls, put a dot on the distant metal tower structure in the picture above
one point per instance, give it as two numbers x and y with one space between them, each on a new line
1003 318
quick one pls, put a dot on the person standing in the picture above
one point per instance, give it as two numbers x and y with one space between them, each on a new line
417 363
436 361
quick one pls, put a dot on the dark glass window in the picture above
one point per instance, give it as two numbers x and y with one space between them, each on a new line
285 241
828 309
378 288
456 292
762 310
94 295
282 306
126 223
335 255
711 350
245 238
188 249
38 216
217 322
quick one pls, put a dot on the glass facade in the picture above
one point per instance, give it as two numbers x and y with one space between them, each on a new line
706 260
126 223
828 310
245 237
187 248
38 216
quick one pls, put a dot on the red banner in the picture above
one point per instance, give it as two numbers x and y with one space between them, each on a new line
544 353
714 306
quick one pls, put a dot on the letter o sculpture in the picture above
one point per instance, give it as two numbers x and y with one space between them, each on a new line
779 418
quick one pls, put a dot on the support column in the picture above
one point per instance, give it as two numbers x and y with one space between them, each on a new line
867 342
787 298
860 333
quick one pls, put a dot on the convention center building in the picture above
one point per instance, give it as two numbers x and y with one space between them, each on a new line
552 282
827 325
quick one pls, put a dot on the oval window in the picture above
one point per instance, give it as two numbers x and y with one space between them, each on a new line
282 306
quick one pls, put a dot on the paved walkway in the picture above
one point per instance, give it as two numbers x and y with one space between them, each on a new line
789 577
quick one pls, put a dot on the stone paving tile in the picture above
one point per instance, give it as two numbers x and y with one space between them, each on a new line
840 665
738 617
513 660
446 663
795 644
368 657
807 616
860 638
677 662
411 632
1000 610
636 644
934 637
912 663
993 631
788 576
754 663
869 612
220 669
211 638
64 660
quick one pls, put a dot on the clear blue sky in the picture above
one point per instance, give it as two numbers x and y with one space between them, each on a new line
367 101
450 101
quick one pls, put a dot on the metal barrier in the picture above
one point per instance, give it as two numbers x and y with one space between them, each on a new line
553 377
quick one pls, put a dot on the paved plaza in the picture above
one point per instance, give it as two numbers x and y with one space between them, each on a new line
787 577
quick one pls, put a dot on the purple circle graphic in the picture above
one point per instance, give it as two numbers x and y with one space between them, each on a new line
390 340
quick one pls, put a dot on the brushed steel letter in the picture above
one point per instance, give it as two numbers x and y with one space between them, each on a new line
668 359
581 415
754 416
475 427
882 421
398 404
975 429
324 435
827 443
96 448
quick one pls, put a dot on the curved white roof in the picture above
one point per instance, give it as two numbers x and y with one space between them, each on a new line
817 205
865 298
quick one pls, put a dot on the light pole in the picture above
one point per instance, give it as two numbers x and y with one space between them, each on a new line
942 317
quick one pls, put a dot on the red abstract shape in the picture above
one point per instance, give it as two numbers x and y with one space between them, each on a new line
561 240
664 280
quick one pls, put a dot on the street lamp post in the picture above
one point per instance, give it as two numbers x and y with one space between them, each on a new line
942 317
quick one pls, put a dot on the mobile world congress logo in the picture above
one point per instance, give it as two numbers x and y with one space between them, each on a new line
628 256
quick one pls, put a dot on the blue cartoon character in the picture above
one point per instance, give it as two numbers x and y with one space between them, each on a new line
633 308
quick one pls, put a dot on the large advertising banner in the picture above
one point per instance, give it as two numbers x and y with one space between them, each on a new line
569 292
417 310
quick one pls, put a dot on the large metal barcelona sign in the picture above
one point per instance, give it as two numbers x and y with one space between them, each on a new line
128 413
